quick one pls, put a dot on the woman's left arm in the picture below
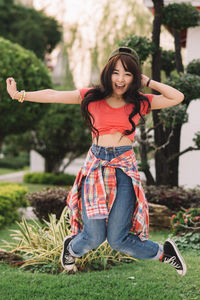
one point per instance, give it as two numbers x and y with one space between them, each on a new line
169 95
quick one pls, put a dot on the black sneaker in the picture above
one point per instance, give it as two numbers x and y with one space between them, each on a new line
67 260
173 257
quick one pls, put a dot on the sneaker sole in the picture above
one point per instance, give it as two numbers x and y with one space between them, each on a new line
179 257
70 266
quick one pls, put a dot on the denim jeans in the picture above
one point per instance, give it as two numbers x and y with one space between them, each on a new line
117 230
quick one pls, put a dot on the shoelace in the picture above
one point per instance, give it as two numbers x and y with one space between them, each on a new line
68 259
172 261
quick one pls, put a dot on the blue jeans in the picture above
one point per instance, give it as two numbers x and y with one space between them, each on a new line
117 230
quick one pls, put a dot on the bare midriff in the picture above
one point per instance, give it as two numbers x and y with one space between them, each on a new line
113 140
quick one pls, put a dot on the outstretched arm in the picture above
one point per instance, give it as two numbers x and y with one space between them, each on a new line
169 95
44 96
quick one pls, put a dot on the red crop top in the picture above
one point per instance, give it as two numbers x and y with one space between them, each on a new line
109 119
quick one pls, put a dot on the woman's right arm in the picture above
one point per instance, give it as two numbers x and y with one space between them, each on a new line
44 96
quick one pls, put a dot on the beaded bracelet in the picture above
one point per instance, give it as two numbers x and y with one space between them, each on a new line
22 96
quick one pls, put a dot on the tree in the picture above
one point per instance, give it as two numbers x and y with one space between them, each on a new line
179 16
194 67
172 120
28 27
60 133
156 68
167 123
142 45
168 62
31 74
168 141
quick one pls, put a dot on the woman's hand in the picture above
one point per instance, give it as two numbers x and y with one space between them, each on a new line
11 87
144 80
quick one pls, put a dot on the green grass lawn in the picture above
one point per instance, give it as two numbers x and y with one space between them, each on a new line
32 188
141 280
8 171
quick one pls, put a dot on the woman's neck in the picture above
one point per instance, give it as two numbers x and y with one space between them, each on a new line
116 98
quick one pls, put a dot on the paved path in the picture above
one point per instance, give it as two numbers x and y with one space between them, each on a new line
13 177
73 168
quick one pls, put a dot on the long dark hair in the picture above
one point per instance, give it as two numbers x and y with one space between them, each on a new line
104 90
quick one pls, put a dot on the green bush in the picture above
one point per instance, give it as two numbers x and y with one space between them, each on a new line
189 241
48 201
12 196
31 74
49 178
194 67
168 61
141 44
180 16
29 27
174 198
17 162
185 227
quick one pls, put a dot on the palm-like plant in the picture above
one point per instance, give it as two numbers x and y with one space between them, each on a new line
41 244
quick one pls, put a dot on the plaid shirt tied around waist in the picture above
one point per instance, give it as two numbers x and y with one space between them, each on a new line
100 192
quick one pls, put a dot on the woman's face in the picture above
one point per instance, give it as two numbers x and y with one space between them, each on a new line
121 79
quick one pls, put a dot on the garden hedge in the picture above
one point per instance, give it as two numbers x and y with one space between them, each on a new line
49 178
12 196
16 163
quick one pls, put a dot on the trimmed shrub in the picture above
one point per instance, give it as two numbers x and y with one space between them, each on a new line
49 178
141 44
174 198
12 196
17 162
48 201
194 67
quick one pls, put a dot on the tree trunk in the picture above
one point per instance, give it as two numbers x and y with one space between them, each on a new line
159 134
156 57
51 165
173 164
179 63
143 155
1 141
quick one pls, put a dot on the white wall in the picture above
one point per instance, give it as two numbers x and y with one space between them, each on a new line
189 167
193 44
36 162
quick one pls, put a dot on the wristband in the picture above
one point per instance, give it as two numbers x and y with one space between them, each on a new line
148 82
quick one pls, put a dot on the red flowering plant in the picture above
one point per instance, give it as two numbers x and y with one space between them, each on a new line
186 221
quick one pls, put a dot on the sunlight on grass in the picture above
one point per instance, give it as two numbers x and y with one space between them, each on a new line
32 188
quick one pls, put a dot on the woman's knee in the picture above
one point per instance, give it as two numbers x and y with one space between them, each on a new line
114 243
96 240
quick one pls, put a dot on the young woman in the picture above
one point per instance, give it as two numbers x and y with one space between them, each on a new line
107 199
